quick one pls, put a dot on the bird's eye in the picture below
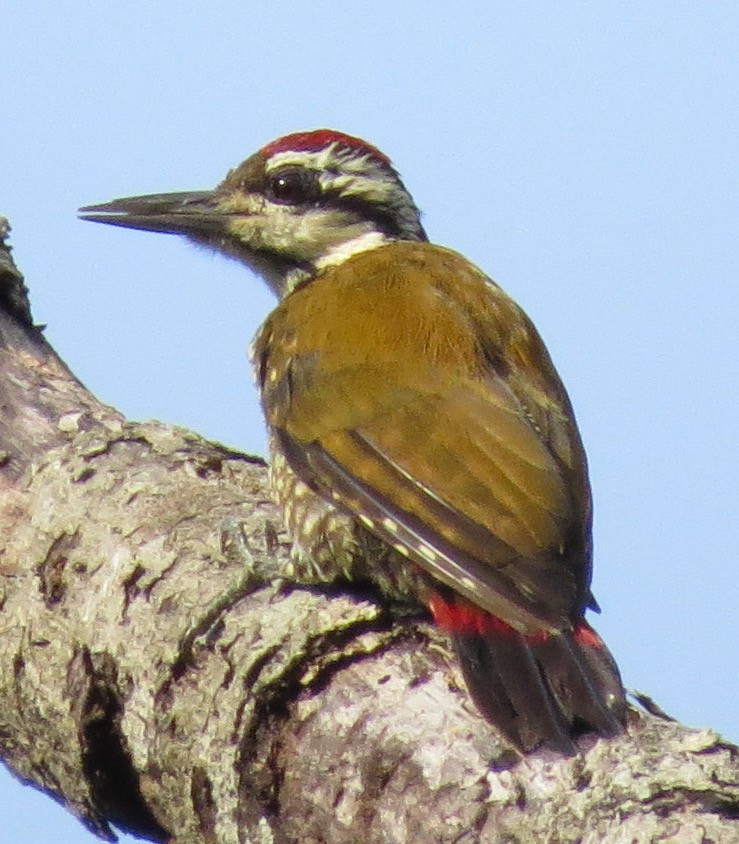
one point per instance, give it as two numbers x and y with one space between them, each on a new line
293 186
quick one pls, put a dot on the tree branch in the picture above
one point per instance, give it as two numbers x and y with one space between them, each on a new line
147 682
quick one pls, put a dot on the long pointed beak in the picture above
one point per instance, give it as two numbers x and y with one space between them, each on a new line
191 213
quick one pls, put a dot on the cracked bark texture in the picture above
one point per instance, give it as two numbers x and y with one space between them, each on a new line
149 685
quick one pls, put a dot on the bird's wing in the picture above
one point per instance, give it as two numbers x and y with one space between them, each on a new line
470 466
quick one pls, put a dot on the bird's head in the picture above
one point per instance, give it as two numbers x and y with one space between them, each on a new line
301 203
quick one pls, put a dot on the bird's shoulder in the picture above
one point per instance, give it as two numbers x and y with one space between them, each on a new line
433 404
395 322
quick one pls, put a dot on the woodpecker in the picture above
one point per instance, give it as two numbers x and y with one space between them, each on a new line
420 436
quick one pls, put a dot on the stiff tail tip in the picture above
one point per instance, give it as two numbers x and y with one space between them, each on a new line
544 689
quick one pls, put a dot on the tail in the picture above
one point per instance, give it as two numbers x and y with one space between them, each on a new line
541 689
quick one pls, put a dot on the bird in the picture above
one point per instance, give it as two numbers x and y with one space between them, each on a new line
421 439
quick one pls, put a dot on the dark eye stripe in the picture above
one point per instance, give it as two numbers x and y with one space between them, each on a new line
385 219
299 186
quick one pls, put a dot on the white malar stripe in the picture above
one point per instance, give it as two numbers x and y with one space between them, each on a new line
366 241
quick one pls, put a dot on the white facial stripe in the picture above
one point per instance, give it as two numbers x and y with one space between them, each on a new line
340 169
375 187
324 159
339 253
289 158
331 157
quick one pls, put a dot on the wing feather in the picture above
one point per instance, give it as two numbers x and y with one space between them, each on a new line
466 573
468 460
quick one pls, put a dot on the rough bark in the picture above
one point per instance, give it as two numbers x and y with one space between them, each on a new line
147 682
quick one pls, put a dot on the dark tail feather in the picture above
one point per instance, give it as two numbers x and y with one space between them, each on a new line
543 691
507 686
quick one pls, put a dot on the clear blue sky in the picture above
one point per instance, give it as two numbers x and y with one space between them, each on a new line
584 154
